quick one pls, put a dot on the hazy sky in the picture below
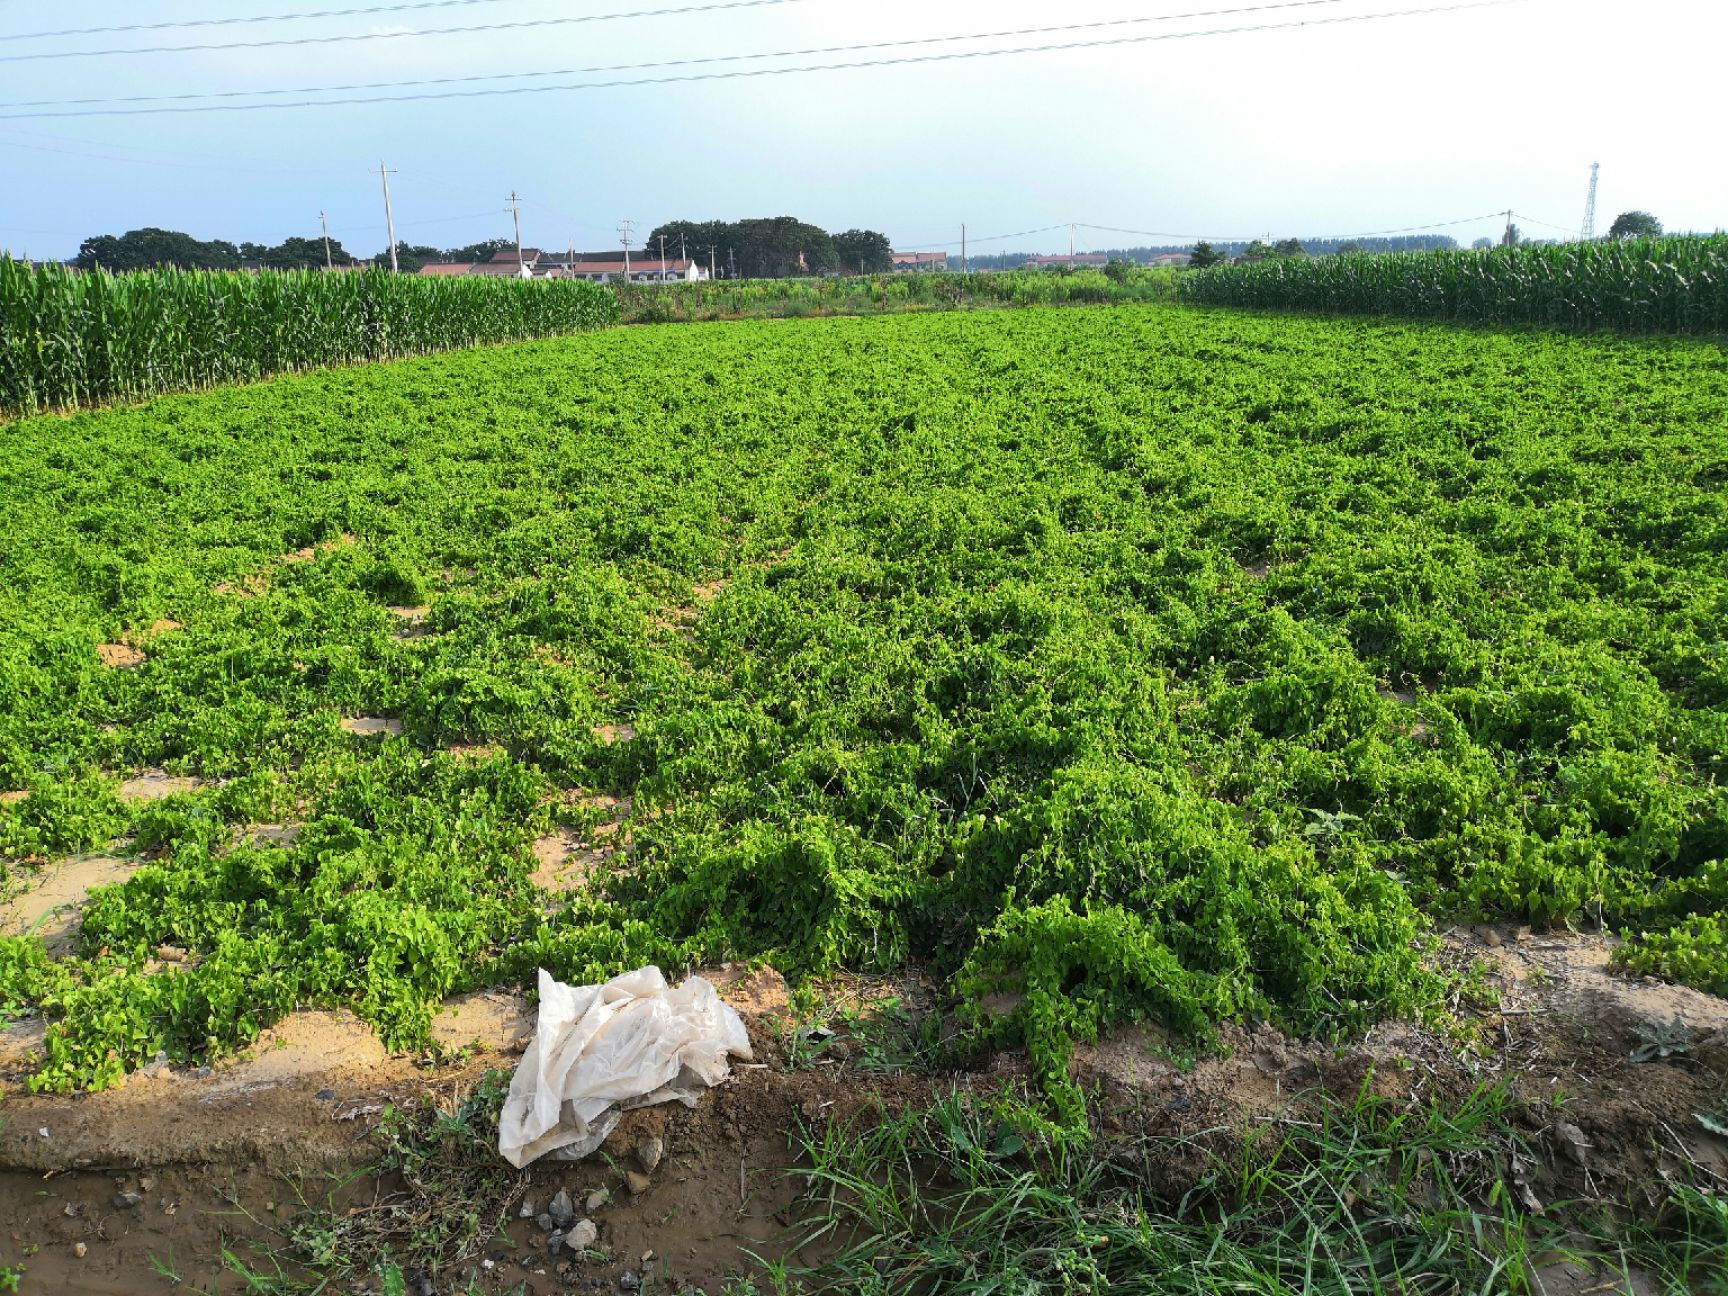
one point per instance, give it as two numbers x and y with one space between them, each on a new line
1343 128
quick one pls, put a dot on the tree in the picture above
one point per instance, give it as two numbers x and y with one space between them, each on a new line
1289 247
470 253
709 242
1349 248
1483 242
864 252
1635 224
1512 237
141 249
1256 251
780 246
409 257
296 254
1204 254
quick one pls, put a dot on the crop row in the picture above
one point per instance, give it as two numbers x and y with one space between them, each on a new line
69 339
886 294
1667 285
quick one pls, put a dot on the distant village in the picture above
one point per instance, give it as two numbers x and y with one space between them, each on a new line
621 266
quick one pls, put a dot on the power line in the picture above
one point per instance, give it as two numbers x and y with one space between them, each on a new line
1248 238
256 18
670 63
391 35
776 71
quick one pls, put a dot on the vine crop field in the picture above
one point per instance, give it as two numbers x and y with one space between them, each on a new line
1143 663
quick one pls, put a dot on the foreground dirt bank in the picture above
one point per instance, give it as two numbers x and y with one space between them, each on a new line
145 1185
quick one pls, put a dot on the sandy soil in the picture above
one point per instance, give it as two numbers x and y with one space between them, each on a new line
231 1153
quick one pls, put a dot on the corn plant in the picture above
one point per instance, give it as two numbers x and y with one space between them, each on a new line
1666 285
69 338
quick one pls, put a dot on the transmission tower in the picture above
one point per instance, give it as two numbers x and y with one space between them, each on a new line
1589 231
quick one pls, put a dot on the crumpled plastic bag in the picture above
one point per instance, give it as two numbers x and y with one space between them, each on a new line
602 1050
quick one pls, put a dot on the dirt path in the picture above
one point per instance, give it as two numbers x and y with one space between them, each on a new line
235 1154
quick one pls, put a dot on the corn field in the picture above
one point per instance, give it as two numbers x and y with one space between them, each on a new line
69 339
1666 285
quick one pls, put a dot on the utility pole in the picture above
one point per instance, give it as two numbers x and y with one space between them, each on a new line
1070 241
711 274
516 216
731 265
325 226
570 260
662 258
1589 231
624 235
1506 238
389 220
964 267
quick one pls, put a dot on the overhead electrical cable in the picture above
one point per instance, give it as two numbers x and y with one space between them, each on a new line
561 21
671 63
902 60
1249 238
251 18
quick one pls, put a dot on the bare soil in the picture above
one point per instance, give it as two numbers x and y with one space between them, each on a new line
230 1155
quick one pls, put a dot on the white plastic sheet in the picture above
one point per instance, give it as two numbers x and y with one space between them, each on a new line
601 1050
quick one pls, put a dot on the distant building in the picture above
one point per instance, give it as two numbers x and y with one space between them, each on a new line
1080 260
444 269
603 267
1172 259
919 262
505 265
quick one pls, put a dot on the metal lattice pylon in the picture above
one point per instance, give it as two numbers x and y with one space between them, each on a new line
1589 231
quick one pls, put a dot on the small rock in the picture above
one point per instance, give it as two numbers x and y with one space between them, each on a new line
562 1212
628 1280
555 1243
146 1184
127 1200
545 1222
527 1211
325 1095
647 1255
582 1235
1571 1140
649 1151
1491 939
636 1182
596 1200
80 1250
43 1132
171 953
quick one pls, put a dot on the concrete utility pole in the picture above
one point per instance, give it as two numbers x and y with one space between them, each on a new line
963 266
1589 231
711 261
1506 238
516 216
570 260
624 235
731 265
325 226
1070 240
389 221
662 258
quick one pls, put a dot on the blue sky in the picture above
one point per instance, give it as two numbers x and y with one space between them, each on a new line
1340 128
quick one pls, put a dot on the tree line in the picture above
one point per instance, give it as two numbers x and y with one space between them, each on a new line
774 247
769 247
144 249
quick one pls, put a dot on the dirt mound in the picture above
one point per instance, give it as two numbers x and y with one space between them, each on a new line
237 1153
